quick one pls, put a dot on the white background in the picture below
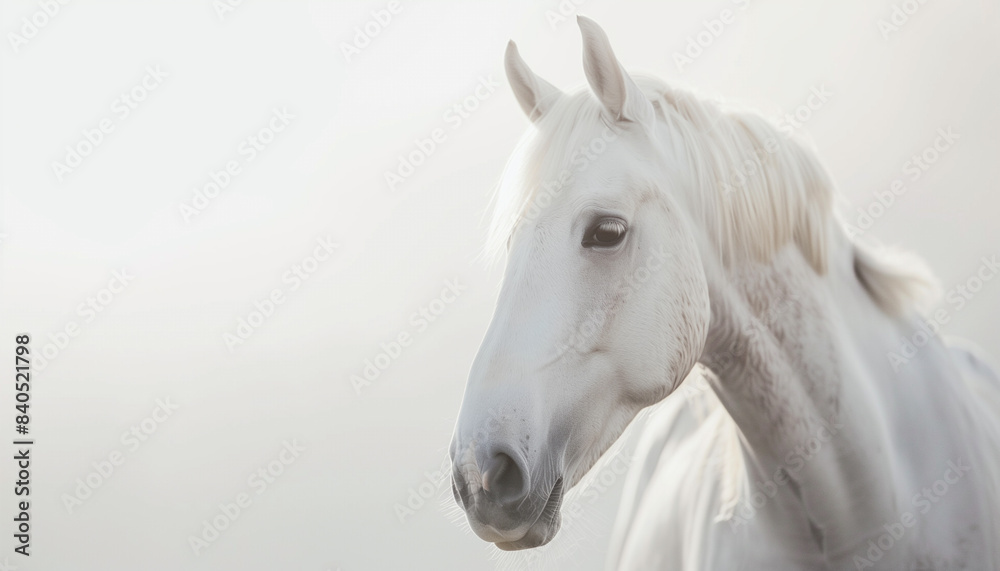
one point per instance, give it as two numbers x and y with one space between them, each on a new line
162 337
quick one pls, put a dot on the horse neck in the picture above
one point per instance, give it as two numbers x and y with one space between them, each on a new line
788 374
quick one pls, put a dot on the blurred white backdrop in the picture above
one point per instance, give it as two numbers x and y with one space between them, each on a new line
185 90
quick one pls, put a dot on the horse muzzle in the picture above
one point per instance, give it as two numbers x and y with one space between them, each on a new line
504 503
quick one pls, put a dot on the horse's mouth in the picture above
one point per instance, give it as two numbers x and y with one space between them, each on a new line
544 528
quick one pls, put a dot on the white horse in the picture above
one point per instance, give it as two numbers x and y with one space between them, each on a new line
648 231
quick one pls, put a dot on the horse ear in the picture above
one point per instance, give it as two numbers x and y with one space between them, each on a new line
609 80
535 95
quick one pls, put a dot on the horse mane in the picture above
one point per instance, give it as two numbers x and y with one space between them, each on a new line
752 187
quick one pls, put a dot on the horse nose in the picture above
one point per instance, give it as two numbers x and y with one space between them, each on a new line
504 479
500 477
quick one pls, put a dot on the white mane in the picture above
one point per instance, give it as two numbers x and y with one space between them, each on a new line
752 187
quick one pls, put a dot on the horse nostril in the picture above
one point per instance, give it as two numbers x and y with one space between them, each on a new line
503 479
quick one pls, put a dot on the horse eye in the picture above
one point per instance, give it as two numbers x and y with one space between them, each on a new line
605 233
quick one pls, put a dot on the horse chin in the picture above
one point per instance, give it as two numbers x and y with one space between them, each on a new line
544 528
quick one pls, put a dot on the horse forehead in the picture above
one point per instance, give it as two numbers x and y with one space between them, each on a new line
620 181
